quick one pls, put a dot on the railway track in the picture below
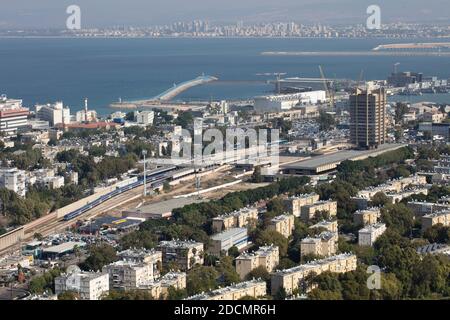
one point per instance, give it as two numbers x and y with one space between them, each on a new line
58 224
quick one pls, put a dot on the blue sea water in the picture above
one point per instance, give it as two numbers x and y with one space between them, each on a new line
42 70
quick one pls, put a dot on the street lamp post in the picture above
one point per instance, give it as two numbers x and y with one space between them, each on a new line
144 153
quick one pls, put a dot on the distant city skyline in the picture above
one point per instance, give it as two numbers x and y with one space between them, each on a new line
107 13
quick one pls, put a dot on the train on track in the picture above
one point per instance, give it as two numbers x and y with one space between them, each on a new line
156 178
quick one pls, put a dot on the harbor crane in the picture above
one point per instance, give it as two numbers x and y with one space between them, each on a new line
395 67
361 76
278 75
328 88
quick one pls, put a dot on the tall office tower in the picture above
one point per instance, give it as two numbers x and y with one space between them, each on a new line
368 117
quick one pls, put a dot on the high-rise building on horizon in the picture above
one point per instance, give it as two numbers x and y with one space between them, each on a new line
368 117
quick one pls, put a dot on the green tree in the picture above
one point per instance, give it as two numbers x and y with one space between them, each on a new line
400 110
201 279
319 294
227 271
267 237
176 294
280 294
129 295
380 200
430 275
69 295
140 239
391 287
437 233
184 119
233 252
259 273
398 217
44 283
99 256
326 121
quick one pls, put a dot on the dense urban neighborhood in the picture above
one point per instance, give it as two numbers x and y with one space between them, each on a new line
274 174
85 217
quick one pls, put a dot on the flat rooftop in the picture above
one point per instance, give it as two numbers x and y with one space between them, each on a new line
331 161
373 227
179 244
315 263
64 247
233 288
229 233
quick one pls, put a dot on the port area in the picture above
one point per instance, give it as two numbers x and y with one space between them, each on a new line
405 53
414 46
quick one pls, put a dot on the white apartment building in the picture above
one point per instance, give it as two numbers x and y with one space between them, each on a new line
294 204
185 254
53 113
267 256
309 211
141 255
324 245
55 182
368 235
86 115
367 216
283 224
146 117
128 275
441 217
160 287
13 179
254 288
46 178
89 285
395 189
150 257
12 115
290 279
329 225
223 241
422 208
236 219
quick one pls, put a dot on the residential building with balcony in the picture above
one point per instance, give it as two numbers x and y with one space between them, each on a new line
267 256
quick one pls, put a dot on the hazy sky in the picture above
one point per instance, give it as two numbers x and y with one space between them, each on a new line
52 13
